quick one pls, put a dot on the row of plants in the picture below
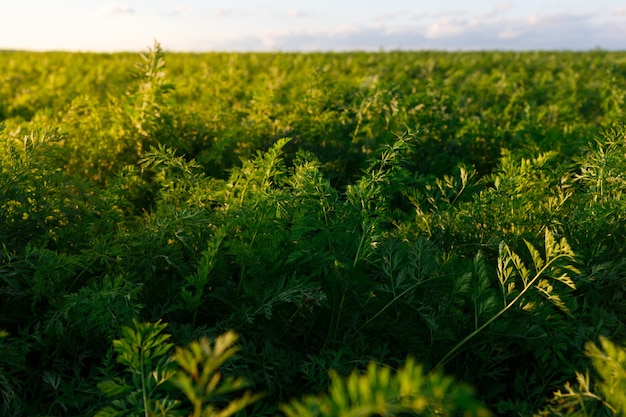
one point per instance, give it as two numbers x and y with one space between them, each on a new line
360 213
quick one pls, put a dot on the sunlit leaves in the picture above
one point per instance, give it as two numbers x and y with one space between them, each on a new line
149 102
202 383
602 395
194 370
602 167
557 264
143 350
379 391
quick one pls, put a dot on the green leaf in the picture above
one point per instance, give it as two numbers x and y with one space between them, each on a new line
115 387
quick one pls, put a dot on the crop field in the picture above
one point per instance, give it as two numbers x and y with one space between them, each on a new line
313 234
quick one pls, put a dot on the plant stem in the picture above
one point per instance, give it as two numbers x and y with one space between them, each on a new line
395 298
467 338
143 386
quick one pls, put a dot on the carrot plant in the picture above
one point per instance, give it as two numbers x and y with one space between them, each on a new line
156 374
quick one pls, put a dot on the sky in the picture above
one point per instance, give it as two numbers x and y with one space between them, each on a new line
313 25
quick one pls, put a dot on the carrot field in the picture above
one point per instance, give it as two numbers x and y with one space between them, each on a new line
312 234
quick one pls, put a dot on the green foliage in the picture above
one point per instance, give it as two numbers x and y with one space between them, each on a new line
516 280
148 114
11 364
333 209
605 395
142 351
145 353
609 362
35 199
201 382
381 392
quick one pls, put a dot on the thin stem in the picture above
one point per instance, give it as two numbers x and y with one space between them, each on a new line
143 386
333 329
395 298
467 338
360 249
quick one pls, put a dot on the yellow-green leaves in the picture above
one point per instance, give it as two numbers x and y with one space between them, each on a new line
514 273
145 351
558 264
382 392
609 360
202 383
603 395
142 350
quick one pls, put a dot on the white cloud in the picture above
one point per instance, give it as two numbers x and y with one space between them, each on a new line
447 28
182 10
297 14
542 31
452 30
500 9
418 16
115 9
268 41
533 20
221 13
389 16
620 11
226 13
509 33
451 13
